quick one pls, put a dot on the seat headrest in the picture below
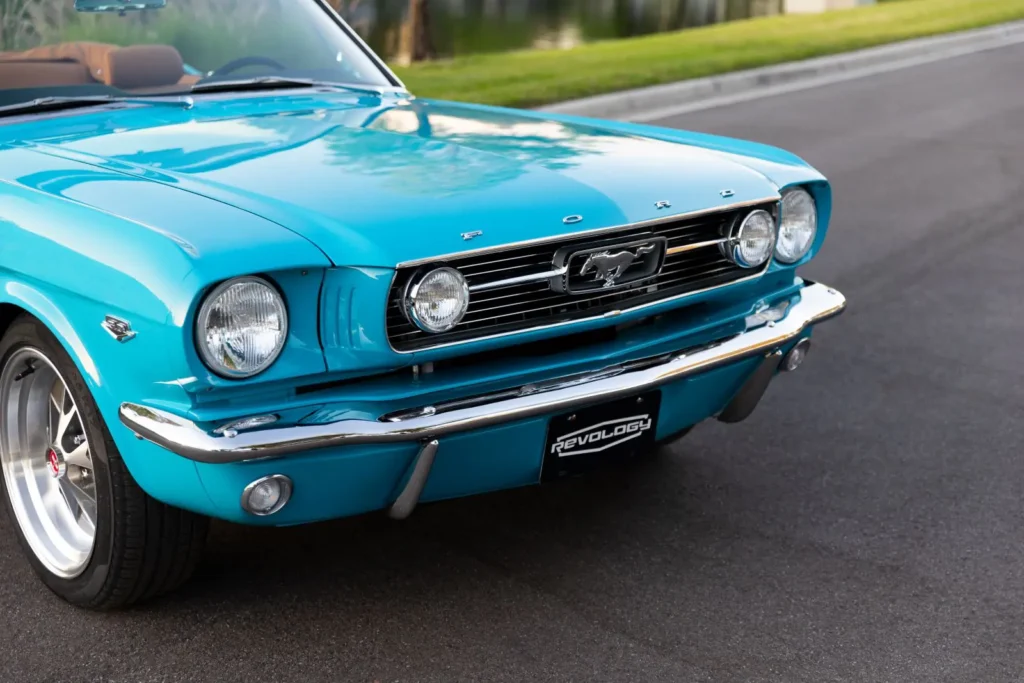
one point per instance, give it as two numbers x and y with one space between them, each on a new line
143 66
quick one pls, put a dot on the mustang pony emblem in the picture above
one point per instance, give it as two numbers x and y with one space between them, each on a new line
610 266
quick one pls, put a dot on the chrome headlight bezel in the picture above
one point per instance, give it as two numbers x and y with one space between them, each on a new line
733 247
414 290
796 199
202 324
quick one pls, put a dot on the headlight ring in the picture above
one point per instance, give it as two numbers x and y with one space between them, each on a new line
436 301
798 227
753 241
241 327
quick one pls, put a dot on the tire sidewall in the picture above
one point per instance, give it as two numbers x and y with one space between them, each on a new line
82 589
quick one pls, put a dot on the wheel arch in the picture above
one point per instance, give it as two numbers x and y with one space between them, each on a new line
162 474
20 298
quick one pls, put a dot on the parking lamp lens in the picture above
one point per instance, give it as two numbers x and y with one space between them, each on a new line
267 495
799 226
241 327
437 301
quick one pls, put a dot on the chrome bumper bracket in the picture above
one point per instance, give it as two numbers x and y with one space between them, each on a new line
749 395
815 303
410 495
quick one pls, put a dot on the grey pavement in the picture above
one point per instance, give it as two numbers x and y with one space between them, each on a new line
866 524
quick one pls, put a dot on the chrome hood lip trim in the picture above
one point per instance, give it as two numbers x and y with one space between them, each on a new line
182 436
587 233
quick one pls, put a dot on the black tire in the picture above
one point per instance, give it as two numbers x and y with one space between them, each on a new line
142 548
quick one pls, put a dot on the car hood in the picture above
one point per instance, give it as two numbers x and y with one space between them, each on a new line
380 181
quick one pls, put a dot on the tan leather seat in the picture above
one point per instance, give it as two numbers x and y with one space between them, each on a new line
138 68
42 74
51 65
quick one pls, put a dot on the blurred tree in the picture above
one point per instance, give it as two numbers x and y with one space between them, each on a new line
625 21
15 23
416 42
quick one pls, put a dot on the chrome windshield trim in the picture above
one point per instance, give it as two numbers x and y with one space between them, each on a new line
815 303
522 279
360 43
587 233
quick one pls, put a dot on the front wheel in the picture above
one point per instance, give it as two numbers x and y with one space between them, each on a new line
92 535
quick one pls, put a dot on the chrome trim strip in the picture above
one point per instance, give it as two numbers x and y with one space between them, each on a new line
587 233
696 245
521 280
182 436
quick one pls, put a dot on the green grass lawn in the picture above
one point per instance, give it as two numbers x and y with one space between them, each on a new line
535 77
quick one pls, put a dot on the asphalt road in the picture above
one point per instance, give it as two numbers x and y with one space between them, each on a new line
864 525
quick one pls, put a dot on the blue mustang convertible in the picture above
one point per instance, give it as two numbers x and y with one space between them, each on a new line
247 275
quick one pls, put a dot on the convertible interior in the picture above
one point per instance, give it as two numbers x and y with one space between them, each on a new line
140 69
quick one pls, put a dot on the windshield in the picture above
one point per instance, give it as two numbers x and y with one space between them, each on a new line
138 48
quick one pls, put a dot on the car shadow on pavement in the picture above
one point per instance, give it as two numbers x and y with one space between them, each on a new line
536 532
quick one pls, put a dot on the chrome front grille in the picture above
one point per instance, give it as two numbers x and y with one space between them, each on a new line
501 302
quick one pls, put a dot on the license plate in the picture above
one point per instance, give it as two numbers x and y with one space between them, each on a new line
592 437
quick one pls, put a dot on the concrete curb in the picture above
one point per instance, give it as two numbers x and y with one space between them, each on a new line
672 99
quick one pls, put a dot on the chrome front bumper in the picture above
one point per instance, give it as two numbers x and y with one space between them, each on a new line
182 436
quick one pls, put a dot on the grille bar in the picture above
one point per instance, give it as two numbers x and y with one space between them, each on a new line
511 290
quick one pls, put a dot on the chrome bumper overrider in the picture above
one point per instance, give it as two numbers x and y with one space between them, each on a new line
182 436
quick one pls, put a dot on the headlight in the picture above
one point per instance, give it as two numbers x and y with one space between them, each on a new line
437 301
242 327
799 226
752 243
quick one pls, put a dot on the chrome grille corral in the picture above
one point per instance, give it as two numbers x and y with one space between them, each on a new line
501 302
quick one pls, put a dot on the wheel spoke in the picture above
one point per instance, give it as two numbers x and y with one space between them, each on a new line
57 396
52 419
67 492
65 422
80 500
79 457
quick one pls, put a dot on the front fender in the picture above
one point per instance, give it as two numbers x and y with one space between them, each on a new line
163 475
68 258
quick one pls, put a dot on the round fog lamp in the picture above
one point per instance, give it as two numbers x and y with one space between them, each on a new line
267 495
437 301
753 242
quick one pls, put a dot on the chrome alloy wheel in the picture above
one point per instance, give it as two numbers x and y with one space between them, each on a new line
46 462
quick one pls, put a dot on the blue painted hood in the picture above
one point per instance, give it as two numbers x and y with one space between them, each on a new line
379 181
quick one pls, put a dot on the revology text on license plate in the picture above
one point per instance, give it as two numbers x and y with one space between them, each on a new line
588 438
601 437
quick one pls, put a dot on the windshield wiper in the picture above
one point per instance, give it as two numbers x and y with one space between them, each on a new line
275 83
56 103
